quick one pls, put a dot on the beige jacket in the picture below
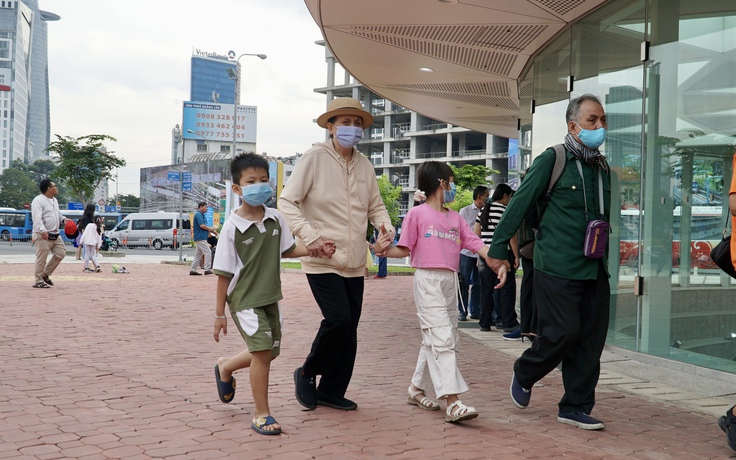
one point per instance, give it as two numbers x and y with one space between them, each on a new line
329 197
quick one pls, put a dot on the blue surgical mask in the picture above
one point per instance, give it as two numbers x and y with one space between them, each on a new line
257 194
592 138
450 194
349 136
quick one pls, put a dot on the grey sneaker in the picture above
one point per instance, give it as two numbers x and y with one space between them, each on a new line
580 420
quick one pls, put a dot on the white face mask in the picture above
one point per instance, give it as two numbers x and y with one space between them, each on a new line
349 136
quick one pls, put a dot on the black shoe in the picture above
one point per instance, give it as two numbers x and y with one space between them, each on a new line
474 317
193 273
305 389
580 420
462 318
335 402
728 425
485 329
208 272
47 280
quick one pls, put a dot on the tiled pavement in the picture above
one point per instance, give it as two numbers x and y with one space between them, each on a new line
108 366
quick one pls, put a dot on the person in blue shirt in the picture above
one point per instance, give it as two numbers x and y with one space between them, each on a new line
200 233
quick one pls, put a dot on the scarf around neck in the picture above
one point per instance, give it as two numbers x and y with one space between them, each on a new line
590 156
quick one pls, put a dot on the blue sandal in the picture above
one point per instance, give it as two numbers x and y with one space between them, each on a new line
224 388
260 424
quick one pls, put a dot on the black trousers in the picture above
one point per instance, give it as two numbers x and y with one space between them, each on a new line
526 299
507 298
333 350
573 323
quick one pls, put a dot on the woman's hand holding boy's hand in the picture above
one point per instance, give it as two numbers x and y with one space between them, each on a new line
329 248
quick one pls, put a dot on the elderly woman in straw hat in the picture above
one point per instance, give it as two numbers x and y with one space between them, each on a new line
331 195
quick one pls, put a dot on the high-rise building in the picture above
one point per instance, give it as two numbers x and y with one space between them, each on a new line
210 80
24 90
207 131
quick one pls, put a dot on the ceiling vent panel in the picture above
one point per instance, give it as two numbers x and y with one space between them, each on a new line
492 49
560 7
494 94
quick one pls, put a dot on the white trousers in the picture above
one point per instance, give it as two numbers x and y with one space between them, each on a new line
435 293
203 249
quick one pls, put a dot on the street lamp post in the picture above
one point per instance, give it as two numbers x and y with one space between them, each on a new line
234 77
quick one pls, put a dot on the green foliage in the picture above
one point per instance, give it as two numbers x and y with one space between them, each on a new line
16 187
471 176
466 179
83 163
462 199
127 202
42 169
390 196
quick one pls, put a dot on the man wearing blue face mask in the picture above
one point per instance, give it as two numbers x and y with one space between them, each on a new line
570 288
200 233
331 195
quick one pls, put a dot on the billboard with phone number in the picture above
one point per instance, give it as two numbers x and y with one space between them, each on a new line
214 122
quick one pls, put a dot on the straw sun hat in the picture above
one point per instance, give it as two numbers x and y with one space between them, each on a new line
345 106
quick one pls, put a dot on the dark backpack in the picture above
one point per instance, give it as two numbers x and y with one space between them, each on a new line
530 225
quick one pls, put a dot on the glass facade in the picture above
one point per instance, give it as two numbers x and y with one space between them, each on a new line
666 73
210 81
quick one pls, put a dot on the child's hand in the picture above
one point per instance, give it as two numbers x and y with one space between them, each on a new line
502 273
220 325
329 248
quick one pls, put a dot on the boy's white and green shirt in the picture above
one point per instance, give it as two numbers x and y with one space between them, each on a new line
249 253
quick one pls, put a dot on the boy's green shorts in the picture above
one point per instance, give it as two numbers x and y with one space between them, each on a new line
260 327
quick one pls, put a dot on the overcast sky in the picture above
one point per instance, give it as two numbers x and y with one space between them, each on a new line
122 69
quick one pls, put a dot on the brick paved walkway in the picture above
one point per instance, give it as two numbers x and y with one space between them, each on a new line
107 366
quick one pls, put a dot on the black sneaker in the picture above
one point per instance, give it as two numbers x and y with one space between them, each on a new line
208 272
462 318
193 273
335 402
580 420
305 389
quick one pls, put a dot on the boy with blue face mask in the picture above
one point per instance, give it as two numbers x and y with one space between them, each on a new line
253 240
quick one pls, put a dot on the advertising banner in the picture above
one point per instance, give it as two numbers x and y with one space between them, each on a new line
214 122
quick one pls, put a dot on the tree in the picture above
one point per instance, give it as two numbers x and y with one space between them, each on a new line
42 169
466 179
470 176
83 166
16 187
390 196
127 202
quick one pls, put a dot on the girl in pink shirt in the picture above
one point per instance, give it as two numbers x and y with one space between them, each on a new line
434 235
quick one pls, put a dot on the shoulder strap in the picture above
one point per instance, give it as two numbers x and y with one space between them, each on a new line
557 169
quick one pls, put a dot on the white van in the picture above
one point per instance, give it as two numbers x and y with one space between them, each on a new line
151 229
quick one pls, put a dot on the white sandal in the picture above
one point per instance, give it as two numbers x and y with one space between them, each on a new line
461 412
424 402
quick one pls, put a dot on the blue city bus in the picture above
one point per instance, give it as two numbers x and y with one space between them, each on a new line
15 224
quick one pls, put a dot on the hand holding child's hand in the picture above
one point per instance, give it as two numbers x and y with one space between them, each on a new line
383 243
329 248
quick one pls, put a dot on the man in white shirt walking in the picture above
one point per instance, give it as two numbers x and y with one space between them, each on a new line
469 262
46 222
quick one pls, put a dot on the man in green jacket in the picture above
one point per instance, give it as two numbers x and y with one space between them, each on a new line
571 290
